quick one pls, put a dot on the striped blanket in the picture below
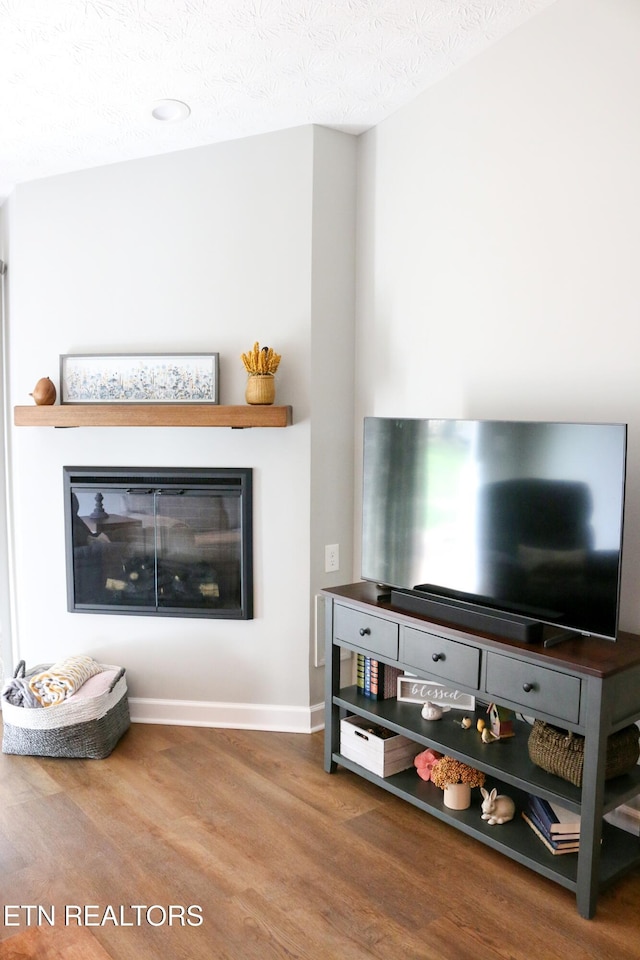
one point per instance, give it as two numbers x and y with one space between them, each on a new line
62 679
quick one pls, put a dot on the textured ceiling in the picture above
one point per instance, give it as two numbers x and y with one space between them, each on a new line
78 78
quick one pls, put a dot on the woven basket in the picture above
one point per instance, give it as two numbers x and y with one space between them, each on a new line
562 752
88 727
261 389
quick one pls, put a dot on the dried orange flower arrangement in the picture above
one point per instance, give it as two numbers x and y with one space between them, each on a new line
448 770
261 362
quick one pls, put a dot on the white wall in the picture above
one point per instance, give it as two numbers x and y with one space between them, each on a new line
207 249
331 373
5 566
499 241
497 251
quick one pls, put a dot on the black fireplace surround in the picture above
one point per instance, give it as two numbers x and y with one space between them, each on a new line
159 541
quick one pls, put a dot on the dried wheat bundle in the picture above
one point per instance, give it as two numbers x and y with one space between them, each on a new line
260 362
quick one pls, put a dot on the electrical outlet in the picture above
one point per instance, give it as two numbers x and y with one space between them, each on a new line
331 558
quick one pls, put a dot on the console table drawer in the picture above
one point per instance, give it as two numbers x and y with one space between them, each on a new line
374 634
438 658
534 688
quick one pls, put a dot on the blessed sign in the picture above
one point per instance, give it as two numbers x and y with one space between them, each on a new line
418 690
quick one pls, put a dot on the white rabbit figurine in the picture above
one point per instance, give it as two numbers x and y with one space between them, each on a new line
496 808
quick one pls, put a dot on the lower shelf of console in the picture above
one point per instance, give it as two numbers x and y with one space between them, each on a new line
507 765
620 851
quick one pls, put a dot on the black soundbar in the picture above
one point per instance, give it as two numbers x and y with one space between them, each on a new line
509 625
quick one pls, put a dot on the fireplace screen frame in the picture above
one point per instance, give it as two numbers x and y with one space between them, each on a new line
151 482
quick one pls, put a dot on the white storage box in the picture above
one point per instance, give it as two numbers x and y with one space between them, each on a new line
375 748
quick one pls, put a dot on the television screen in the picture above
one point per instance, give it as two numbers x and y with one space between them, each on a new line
521 517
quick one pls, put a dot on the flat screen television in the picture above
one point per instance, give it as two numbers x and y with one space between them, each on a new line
522 520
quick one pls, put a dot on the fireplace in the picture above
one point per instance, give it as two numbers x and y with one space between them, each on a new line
159 541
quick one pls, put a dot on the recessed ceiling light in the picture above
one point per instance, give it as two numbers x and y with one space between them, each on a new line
170 110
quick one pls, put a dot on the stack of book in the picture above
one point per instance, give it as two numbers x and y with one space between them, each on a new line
376 680
556 827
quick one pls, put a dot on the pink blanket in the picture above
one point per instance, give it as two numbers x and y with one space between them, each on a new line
96 685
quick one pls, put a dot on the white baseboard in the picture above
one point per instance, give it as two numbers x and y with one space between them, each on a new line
238 716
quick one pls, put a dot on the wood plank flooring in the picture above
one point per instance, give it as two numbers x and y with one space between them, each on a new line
280 859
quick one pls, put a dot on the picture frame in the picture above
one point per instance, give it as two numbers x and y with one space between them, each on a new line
419 690
139 378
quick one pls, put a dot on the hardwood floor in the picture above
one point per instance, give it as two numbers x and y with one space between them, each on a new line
284 861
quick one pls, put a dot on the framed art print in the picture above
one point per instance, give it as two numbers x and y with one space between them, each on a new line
139 378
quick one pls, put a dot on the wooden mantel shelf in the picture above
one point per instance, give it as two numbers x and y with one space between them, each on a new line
151 415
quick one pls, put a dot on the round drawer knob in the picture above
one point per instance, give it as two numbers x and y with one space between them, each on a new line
364 631
437 656
527 687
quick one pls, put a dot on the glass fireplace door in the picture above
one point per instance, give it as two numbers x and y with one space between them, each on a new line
198 549
177 547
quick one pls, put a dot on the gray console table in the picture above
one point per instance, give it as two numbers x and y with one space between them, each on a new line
586 685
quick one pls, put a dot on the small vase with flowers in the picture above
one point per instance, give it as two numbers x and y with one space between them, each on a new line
456 779
261 365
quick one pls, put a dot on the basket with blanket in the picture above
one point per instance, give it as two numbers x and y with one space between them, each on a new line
75 707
